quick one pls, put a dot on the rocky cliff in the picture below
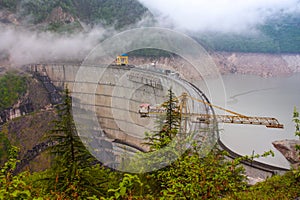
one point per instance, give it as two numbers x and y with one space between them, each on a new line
265 65
288 149
57 15
8 17
26 122
28 131
35 99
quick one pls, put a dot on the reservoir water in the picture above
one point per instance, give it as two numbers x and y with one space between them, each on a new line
258 96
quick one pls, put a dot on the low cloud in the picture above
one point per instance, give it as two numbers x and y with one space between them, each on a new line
20 46
23 46
219 15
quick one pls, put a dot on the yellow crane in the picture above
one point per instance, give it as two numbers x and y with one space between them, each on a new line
122 59
146 110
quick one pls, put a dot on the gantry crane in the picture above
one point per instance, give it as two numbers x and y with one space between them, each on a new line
122 59
146 110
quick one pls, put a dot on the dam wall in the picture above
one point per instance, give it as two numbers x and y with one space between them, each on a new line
119 92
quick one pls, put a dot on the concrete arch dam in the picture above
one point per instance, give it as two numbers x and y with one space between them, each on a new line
118 95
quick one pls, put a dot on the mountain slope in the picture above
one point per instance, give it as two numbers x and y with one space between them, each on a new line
107 12
277 35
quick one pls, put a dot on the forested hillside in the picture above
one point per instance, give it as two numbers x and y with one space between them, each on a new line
277 35
108 12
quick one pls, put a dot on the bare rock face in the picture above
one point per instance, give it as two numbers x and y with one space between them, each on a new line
261 64
288 149
58 15
7 17
265 65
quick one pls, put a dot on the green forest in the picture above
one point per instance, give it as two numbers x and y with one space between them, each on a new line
279 34
12 86
75 174
119 13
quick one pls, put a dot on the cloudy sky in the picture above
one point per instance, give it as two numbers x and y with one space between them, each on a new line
219 15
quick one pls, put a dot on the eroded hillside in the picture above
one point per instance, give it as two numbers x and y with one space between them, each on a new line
265 65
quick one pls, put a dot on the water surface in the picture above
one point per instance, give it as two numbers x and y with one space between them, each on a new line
265 97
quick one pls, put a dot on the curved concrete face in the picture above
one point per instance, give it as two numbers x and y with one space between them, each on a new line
134 88
61 75
119 93
106 98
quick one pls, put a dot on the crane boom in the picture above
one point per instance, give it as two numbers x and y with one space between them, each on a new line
269 122
148 111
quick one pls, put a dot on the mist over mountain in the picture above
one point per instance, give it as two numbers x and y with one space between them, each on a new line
224 16
34 31
276 35
37 31
270 26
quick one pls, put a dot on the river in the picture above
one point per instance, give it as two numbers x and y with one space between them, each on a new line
256 96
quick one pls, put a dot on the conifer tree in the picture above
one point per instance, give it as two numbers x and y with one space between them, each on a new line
72 169
190 176
169 124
